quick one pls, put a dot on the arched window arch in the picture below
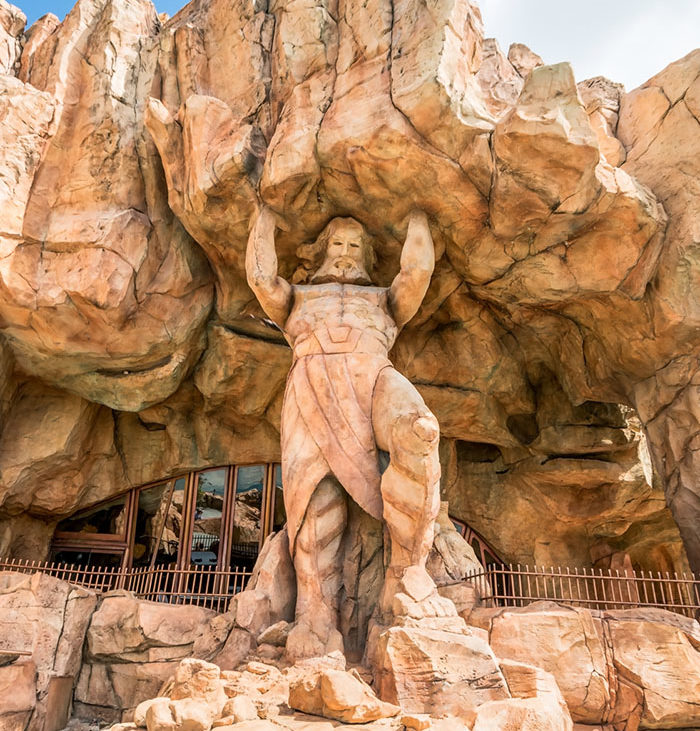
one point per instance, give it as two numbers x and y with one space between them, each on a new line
482 548
216 517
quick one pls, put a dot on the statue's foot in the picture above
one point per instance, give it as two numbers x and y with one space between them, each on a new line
431 607
315 641
414 594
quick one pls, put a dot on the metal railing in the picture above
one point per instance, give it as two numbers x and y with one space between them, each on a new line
201 585
207 587
498 585
602 589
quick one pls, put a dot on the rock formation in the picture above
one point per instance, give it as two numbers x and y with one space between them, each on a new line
557 345
146 664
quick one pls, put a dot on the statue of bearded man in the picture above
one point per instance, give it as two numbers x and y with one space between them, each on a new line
344 402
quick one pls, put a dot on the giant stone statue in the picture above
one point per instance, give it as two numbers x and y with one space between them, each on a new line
344 404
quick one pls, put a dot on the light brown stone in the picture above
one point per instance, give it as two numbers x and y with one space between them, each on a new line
565 642
123 626
17 689
159 716
339 695
240 708
102 261
275 634
47 618
201 681
536 703
664 661
236 649
142 708
523 59
434 671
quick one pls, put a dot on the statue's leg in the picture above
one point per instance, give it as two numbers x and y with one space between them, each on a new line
318 564
406 429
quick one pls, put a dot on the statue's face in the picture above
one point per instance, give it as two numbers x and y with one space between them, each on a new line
345 255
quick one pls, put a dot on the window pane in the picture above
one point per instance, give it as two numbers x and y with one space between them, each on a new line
88 558
211 486
247 514
460 527
279 515
172 535
106 518
155 541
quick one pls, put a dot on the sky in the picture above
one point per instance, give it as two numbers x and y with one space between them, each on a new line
626 40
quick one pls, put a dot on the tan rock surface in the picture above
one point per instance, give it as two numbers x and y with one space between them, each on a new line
664 661
124 627
132 232
48 619
340 695
435 671
622 667
81 255
565 224
565 642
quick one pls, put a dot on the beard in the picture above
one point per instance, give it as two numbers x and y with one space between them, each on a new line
342 270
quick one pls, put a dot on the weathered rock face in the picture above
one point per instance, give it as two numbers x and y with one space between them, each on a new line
132 648
558 342
629 668
46 620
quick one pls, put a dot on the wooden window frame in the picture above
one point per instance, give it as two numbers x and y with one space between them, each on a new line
123 544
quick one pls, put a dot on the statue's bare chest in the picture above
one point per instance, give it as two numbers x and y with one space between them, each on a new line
340 305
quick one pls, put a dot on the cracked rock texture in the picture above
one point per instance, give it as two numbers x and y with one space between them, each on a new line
545 666
558 344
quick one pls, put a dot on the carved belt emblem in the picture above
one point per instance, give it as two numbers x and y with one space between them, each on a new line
342 339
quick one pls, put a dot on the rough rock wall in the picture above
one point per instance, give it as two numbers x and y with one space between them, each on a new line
560 328
43 623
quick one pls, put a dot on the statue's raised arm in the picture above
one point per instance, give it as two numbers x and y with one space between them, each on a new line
417 264
273 292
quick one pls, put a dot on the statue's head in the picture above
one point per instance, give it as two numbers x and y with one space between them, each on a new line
349 256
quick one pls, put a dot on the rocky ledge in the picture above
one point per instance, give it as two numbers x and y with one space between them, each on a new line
182 668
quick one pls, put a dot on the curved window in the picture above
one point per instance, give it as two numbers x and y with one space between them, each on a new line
216 517
484 552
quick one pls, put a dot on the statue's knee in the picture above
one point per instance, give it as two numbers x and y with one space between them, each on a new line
417 432
427 428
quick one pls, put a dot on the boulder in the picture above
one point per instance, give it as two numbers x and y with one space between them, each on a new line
339 695
48 619
18 686
537 704
133 647
274 576
201 681
635 666
654 653
435 671
125 628
240 708
564 641
142 708
275 634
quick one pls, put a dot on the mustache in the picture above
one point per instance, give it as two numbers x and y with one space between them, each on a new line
345 262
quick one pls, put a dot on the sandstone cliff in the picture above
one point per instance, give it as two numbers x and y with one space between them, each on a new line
558 344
